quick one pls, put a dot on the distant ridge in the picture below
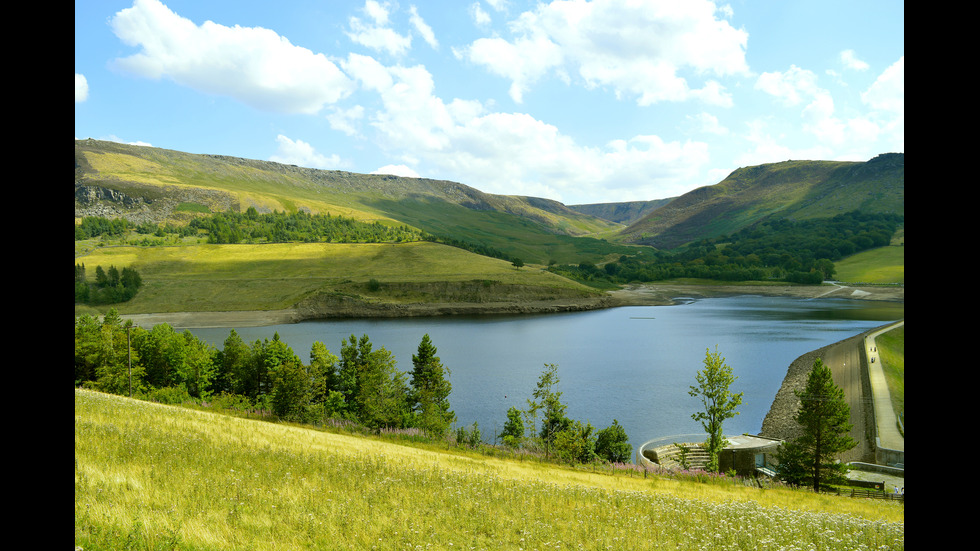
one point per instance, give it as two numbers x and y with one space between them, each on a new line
147 184
622 213
791 189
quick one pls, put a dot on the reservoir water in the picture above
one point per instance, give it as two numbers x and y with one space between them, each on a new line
633 364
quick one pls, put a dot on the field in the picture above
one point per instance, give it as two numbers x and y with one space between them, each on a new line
157 477
881 265
207 278
891 349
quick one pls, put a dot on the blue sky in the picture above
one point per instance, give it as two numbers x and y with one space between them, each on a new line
578 101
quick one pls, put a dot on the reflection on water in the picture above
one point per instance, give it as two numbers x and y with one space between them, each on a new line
633 364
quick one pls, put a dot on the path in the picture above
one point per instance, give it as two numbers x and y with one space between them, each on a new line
889 437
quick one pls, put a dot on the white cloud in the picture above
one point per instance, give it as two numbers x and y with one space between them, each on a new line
850 60
81 88
422 27
522 62
250 64
397 170
301 153
792 87
514 153
645 50
480 17
708 123
346 120
888 91
378 36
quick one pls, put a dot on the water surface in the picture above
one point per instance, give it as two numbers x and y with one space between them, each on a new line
634 364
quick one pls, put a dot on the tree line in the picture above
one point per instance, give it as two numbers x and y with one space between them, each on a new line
362 386
110 286
254 227
801 251
558 435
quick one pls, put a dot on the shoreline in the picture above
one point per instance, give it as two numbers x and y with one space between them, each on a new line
633 295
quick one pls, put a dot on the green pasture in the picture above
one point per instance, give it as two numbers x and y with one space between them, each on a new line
881 265
203 277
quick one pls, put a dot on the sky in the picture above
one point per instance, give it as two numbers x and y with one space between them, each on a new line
580 101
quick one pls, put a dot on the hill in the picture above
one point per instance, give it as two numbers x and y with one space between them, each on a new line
149 476
145 184
794 190
621 213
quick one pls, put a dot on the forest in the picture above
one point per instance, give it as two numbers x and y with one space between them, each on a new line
111 286
254 227
361 388
796 251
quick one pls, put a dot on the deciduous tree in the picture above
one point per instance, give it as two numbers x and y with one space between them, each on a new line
718 401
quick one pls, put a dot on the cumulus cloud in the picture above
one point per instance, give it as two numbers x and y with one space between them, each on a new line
81 88
791 87
649 51
250 64
514 153
397 170
850 60
300 153
377 34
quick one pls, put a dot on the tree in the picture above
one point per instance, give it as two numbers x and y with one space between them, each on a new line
612 444
714 382
429 394
323 373
548 399
825 418
574 443
290 391
513 433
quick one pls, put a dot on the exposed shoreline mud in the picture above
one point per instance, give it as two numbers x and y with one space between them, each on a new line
634 295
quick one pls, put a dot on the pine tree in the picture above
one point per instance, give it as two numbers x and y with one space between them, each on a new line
824 417
430 390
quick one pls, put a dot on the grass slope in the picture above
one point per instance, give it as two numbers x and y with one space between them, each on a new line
891 350
203 278
171 185
791 189
156 477
880 266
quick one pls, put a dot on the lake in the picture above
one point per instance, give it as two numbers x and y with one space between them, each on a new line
633 364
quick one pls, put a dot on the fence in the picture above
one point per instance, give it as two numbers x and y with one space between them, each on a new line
872 494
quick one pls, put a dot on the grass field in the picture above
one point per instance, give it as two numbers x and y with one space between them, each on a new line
157 477
201 278
881 265
891 350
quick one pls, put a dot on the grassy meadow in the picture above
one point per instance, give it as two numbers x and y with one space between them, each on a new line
891 350
204 277
149 476
882 265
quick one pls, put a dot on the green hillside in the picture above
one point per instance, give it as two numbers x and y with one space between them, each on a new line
621 213
158 185
149 476
794 190
786 221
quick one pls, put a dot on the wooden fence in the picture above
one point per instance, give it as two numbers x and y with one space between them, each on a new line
872 494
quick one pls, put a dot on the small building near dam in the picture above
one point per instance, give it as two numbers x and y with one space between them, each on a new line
748 455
